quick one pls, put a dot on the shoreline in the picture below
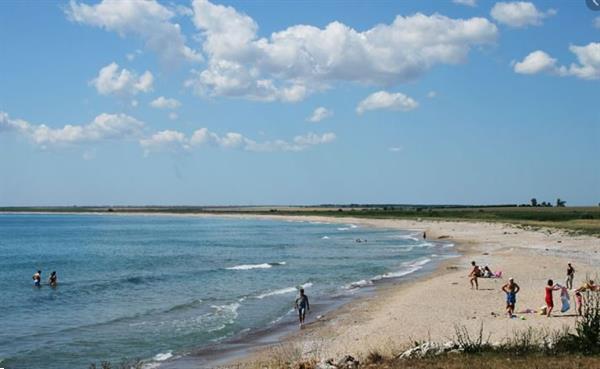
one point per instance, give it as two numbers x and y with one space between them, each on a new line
429 307
241 349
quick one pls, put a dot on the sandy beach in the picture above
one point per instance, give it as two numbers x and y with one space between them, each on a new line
430 307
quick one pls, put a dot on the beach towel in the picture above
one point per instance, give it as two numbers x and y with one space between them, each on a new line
565 300
498 274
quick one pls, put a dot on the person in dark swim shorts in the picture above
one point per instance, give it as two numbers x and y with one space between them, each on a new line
303 306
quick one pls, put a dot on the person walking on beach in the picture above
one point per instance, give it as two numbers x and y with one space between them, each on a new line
53 280
570 276
511 289
550 287
475 272
303 306
37 279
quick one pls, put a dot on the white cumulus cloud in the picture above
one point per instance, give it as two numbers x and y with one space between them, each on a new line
165 103
177 141
386 100
319 114
124 127
519 14
112 81
536 62
301 59
145 19
165 140
103 127
589 61
587 66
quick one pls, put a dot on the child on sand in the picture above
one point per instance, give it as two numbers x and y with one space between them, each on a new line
579 302
511 289
549 302
475 272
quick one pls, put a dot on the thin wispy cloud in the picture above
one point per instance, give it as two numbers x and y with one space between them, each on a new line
170 140
471 3
319 114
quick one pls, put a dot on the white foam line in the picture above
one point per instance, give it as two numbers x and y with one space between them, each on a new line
250 266
282 291
163 356
358 284
255 266
411 267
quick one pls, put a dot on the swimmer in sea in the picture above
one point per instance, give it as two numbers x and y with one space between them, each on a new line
37 279
53 280
303 306
511 289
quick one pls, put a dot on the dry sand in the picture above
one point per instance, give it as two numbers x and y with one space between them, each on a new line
430 307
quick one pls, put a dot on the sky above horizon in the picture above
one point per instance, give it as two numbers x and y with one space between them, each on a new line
269 102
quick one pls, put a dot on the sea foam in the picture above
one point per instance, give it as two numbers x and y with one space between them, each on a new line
256 266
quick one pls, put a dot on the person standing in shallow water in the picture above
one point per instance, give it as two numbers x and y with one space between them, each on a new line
53 280
37 279
303 306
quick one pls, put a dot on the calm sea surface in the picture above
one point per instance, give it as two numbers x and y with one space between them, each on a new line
157 287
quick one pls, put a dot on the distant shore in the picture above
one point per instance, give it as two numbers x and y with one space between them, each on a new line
578 219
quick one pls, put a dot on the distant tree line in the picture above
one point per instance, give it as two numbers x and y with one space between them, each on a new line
533 202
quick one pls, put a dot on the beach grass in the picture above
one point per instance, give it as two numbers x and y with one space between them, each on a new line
492 361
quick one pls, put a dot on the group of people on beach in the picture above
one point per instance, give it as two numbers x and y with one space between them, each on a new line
37 279
478 272
511 289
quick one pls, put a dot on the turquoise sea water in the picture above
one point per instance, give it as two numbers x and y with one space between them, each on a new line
157 287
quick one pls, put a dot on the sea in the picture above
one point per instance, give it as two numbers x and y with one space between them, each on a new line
164 288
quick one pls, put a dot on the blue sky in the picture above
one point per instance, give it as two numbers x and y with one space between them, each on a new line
267 102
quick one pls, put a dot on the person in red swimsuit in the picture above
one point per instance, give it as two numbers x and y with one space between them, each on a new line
549 302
